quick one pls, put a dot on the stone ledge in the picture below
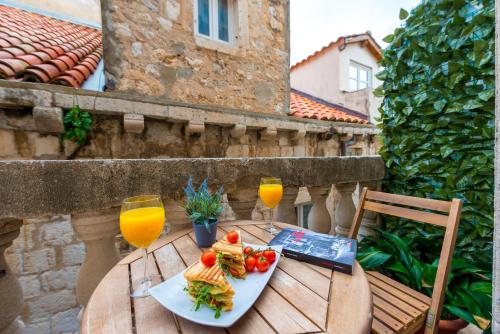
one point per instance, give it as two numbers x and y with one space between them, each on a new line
27 94
32 188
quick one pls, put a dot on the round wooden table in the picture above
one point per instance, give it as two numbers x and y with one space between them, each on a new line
299 298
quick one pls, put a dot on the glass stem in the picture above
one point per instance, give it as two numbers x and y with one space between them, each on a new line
145 259
271 219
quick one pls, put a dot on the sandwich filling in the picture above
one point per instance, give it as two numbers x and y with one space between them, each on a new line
218 298
230 257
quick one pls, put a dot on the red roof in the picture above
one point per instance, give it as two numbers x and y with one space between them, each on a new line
39 48
303 105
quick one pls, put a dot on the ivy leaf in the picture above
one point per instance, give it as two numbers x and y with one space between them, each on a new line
388 38
403 14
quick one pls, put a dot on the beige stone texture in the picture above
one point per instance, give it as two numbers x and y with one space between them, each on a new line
151 49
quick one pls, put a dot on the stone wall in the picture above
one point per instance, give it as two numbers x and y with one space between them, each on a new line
46 257
150 48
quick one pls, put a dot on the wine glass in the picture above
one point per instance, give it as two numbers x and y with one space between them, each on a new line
270 193
142 219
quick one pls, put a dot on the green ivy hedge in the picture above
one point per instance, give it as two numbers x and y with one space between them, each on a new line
437 118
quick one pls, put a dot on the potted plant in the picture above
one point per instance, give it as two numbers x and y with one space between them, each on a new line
468 297
204 209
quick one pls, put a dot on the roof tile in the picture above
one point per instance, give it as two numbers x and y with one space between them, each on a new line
39 48
303 105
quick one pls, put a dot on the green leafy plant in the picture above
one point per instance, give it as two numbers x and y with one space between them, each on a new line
201 206
469 292
77 125
437 119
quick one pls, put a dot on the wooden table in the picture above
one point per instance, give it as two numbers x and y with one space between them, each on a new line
299 298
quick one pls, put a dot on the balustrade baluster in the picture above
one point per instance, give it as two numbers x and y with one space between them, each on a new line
345 210
286 209
369 221
98 231
242 201
319 218
11 294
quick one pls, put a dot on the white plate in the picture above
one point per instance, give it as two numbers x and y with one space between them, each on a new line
172 296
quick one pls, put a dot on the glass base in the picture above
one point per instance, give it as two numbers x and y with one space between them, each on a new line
271 229
141 289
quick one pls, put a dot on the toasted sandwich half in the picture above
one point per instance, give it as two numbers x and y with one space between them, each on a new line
209 286
230 257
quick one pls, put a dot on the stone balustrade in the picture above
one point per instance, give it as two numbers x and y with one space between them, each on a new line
92 191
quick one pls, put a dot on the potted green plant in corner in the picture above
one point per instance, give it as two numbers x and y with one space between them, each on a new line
469 293
204 209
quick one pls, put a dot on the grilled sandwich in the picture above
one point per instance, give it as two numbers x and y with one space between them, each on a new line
230 257
209 286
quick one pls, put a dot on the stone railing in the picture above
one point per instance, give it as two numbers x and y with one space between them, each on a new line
92 191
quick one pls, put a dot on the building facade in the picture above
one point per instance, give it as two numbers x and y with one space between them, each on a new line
342 73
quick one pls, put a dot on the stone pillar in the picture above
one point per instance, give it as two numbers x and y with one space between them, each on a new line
319 217
345 210
369 221
242 201
11 294
286 208
97 230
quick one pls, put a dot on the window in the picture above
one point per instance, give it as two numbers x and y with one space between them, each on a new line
214 19
303 213
359 76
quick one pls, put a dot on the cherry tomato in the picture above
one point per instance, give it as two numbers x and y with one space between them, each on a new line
208 258
248 250
262 264
270 255
249 264
232 237
257 255
233 272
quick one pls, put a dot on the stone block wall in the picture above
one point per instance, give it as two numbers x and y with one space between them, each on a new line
150 48
46 257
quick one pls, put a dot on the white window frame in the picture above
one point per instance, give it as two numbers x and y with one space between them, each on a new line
359 67
300 212
214 21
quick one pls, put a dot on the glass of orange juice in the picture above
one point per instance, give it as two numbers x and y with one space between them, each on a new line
270 193
142 219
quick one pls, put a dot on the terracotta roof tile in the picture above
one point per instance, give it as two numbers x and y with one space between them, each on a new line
303 105
39 48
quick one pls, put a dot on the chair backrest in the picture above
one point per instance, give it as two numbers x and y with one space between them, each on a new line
406 207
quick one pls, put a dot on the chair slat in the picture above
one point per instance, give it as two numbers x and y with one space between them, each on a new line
402 317
423 298
421 216
387 319
380 328
399 294
402 305
424 203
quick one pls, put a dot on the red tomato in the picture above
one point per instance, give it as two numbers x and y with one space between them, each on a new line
257 255
249 264
232 237
262 264
270 255
208 258
248 250
233 272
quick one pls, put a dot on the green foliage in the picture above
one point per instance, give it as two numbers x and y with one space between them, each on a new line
469 292
437 119
77 125
201 206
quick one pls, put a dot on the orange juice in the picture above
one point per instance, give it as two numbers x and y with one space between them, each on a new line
271 194
142 226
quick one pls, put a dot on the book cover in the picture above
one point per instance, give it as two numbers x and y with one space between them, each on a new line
324 250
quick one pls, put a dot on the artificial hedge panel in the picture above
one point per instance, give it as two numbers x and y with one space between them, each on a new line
437 117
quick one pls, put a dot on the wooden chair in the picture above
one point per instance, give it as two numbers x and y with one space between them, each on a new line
396 307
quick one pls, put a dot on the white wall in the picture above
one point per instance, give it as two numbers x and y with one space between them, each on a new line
327 77
319 77
88 10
